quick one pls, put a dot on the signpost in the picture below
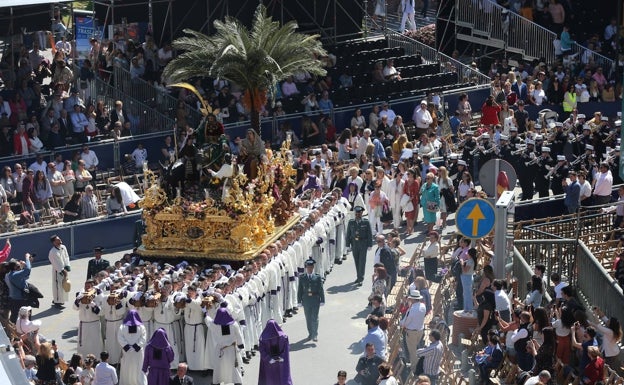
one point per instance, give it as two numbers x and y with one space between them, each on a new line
503 234
475 218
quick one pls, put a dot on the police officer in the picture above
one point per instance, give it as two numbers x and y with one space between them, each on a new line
97 264
311 296
359 238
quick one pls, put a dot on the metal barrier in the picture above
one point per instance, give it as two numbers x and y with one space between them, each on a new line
145 119
431 55
558 255
146 93
596 285
522 272
607 64
512 32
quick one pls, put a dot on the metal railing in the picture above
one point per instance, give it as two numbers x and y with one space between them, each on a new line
144 118
597 286
518 34
431 55
146 93
523 272
607 64
558 255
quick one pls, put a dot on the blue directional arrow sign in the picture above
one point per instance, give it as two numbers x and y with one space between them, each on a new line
475 218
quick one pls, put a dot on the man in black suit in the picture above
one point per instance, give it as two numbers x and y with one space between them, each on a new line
97 264
386 257
65 125
180 378
119 114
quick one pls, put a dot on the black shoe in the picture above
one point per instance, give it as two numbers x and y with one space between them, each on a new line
248 355
338 261
256 347
359 284
288 314
315 339
245 360
253 353
356 281
295 311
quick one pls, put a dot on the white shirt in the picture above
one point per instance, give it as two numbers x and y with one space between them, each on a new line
502 301
139 155
558 288
105 374
422 117
604 182
90 159
389 113
415 318
585 190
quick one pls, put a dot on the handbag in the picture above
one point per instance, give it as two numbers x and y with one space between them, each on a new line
406 203
66 284
432 206
386 213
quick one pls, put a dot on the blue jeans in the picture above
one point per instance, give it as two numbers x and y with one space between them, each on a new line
466 282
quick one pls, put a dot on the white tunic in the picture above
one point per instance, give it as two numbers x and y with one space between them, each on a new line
114 316
89 328
59 258
194 335
130 372
228 361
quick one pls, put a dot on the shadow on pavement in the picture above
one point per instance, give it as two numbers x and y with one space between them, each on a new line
347 287
362 314
48 312
356 348
70 334
302 344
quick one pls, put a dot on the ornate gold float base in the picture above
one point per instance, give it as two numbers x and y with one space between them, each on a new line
217 253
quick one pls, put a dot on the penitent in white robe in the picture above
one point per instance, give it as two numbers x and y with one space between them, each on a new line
130 372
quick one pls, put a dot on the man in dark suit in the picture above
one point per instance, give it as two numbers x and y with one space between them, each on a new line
180 378
97 264
118 114
65 125
386 257
359 238
311 296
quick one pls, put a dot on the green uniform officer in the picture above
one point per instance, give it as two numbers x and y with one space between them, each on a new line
359 238
97 264
312 296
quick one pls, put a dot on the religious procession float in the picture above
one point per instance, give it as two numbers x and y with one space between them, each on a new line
234 219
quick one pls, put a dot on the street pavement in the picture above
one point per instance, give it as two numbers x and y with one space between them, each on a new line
340 331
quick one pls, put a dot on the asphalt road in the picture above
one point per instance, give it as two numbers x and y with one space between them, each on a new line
341 321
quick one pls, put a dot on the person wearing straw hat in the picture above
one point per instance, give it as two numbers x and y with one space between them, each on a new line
413 324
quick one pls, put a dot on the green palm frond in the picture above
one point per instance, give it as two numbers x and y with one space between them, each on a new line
255 59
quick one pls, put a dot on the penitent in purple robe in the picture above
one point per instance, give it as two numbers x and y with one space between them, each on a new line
274 356
158 357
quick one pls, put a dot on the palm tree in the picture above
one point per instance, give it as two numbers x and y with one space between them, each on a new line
256 59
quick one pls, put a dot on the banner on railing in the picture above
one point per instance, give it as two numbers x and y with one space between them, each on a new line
84 23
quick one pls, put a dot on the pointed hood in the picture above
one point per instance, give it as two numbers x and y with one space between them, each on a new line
271 330
347 190
159 339
132 318
223 316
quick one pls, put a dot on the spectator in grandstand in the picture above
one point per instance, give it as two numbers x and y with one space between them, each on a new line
390 72
566 40
602 184
377 74
89 204
594 372
72 210
289 88
489 111
8 222
422 117
325 104
464 108
490 358
375 336
367 366
611 335
582 339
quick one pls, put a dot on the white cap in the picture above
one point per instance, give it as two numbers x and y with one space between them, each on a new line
469 132
545 149
513 128
604 118
580 116
423 102
538 137
618 123
537 125
485 136
453 156
586 127
530 141
560 158
589 147
619 114
558 124
551 125
462 162
504 137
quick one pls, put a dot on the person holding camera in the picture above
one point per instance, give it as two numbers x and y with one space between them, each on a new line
17 281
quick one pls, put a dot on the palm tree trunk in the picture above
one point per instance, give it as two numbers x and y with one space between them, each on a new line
254 114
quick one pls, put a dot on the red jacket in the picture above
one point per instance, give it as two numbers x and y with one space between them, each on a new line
17 144
489 114
594 371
